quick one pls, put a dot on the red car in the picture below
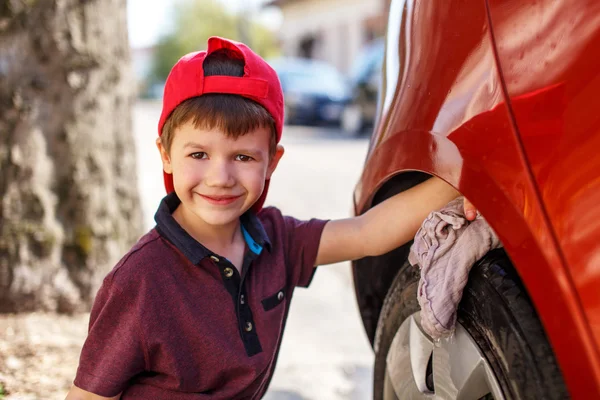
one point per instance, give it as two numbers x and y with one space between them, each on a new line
500 98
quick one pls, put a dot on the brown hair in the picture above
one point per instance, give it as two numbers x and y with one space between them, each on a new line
233 114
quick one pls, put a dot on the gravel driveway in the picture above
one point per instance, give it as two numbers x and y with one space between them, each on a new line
325 352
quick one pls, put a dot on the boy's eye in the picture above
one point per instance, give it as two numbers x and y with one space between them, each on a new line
243 158
198 155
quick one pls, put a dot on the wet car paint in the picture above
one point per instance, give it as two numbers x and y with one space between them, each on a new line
444 110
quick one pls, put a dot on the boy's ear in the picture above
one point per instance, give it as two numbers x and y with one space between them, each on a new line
275 160
164 155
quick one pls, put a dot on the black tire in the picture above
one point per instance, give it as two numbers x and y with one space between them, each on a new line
496 311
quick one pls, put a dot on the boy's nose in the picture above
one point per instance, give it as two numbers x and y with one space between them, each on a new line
219 175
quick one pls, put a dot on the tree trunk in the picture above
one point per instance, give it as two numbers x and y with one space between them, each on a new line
69 205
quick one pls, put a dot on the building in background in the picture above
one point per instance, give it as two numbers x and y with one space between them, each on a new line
330 30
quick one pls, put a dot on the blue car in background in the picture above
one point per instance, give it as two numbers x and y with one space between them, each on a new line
365 79
314 92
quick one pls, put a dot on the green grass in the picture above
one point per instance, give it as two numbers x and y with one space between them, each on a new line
1 391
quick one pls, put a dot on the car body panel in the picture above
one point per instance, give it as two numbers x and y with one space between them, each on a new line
560 124
444 111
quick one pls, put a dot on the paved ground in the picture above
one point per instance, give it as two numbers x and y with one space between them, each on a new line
325 352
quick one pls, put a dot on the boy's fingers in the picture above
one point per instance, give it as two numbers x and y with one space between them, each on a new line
470 210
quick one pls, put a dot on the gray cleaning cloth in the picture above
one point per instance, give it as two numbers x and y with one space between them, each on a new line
446 247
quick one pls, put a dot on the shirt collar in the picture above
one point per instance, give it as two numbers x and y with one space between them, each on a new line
193 250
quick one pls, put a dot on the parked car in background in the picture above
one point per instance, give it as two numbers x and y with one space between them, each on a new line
365 79
500 99
314 92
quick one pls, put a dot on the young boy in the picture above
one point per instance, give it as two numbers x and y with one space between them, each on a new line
196 309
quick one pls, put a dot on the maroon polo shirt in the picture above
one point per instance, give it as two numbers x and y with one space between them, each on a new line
173 320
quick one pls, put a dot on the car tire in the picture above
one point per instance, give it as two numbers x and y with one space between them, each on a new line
499 319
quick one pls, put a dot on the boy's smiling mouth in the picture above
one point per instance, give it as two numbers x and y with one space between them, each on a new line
220 200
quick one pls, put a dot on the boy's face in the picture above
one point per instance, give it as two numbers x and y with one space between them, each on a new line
216 177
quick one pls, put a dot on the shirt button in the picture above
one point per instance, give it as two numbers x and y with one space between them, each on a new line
242 301
215 259
248 326
280 296
228 272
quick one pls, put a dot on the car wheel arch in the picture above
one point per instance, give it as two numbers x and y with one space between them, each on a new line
373 275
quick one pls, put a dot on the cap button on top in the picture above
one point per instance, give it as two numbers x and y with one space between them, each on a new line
228 272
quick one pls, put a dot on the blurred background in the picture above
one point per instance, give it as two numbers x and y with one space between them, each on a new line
80 97
328 54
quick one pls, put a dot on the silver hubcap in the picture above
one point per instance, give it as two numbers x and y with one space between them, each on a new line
459 370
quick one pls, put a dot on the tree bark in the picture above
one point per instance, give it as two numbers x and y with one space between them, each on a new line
69 206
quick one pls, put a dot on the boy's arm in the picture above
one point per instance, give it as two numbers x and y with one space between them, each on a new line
384 227
79 394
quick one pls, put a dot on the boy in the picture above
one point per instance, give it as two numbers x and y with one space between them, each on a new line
197 308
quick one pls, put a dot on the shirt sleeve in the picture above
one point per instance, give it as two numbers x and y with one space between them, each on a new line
113 352
303 239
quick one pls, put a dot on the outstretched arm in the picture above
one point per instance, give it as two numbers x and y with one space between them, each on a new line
384 227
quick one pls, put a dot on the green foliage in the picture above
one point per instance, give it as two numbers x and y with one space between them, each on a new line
197 20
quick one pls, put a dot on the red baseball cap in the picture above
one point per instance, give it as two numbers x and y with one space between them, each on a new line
259 83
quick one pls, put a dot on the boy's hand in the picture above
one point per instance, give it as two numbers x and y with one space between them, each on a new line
470 210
